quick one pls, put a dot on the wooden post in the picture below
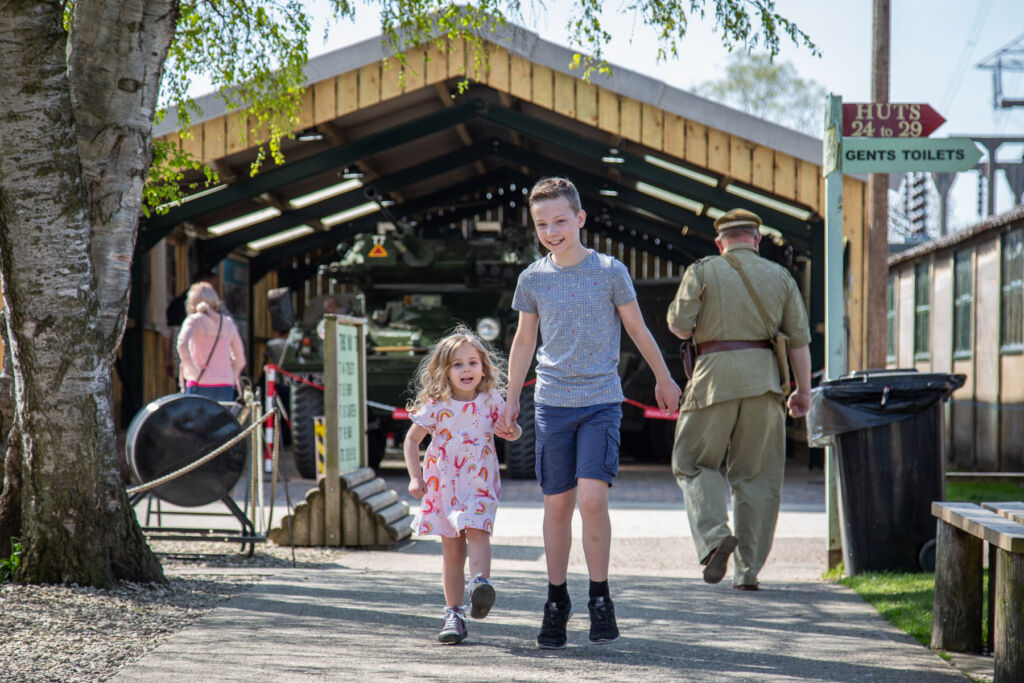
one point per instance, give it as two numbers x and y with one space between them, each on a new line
956 617
1008 650
332 490
876 243
315 498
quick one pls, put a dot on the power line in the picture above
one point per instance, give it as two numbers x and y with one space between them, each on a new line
957 77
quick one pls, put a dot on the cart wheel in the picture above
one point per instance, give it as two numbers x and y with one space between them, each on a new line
926 558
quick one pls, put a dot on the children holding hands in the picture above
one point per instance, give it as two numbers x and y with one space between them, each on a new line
578 300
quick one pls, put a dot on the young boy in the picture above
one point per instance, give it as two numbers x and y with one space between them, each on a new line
576 297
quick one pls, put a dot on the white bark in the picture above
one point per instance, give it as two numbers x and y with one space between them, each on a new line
74 149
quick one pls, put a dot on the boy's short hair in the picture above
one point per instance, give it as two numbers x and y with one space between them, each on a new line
553 188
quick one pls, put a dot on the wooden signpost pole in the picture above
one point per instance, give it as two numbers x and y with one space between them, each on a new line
332 491
835 336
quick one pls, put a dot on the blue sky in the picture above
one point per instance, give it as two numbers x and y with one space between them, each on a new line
935 45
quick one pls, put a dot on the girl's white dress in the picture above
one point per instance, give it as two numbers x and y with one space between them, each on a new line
460 467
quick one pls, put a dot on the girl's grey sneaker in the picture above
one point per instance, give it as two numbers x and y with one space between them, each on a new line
453 629
481 597
603 628
552 629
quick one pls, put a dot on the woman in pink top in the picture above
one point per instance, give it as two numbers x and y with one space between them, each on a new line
212 357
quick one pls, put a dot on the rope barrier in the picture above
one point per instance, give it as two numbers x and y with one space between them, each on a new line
191 466
294 376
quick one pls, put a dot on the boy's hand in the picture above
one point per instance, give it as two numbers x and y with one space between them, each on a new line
508 433
507 418
667 393
417 489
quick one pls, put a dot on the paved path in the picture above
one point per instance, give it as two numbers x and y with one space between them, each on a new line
375 614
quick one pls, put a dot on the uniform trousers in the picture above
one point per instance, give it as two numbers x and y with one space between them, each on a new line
748 434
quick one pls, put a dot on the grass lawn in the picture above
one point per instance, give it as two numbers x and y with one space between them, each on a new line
905 599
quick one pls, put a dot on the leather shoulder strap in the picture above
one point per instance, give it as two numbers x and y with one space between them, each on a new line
735 263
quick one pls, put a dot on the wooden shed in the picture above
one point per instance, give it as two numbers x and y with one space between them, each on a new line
655 165
957 305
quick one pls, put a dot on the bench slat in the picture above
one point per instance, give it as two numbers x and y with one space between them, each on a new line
1012 510
997 530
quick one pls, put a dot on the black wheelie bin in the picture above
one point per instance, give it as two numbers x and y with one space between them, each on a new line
887 429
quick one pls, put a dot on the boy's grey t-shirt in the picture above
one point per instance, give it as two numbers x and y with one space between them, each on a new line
577 362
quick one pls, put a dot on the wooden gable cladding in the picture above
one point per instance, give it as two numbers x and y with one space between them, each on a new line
733 157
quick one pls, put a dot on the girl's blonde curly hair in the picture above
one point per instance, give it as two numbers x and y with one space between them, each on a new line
430 383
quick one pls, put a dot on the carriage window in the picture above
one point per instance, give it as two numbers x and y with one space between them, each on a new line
922 311
963 302
1012 318
890 321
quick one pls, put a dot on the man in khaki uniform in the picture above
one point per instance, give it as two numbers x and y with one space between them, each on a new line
732 407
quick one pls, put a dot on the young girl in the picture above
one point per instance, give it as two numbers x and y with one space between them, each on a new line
458 404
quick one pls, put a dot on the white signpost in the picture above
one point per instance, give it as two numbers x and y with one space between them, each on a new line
344 412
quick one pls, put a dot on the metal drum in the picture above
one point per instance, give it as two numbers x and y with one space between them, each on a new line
176 430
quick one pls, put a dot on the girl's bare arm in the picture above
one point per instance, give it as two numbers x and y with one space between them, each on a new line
411 449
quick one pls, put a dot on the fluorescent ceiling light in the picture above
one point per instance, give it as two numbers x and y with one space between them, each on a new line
322 194
280 238
612 157
714 213
243 221
670 197
782 207
608 192
772 233
350 214
682 170
197 195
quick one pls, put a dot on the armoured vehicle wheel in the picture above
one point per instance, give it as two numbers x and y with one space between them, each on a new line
376 443
306 403
520 458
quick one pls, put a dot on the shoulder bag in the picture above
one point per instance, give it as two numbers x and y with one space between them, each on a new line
212 349
779 341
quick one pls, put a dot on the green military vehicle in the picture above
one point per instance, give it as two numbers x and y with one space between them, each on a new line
412 291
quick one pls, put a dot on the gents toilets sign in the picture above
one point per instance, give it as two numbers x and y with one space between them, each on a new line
903 155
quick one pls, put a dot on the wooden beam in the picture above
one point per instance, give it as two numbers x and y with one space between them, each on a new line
460 129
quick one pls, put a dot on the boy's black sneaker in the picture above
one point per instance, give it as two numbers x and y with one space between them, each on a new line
603 628
552 629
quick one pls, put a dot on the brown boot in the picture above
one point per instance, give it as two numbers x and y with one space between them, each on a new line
718 560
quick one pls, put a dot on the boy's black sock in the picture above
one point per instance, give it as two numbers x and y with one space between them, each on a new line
599 589
558 594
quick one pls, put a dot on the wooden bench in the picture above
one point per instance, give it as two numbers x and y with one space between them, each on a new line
956 618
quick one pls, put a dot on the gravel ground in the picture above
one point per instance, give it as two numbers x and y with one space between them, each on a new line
73 633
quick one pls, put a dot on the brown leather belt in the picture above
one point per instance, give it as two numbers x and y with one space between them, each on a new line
716 346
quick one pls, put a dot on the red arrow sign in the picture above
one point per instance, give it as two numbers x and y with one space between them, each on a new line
889 120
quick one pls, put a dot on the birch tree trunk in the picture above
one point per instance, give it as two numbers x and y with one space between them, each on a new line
76 117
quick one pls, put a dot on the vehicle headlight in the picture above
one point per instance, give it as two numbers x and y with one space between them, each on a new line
488 329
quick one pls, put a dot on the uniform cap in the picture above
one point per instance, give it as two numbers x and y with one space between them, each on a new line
737 218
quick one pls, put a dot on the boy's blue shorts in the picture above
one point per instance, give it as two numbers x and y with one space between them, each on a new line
576 443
